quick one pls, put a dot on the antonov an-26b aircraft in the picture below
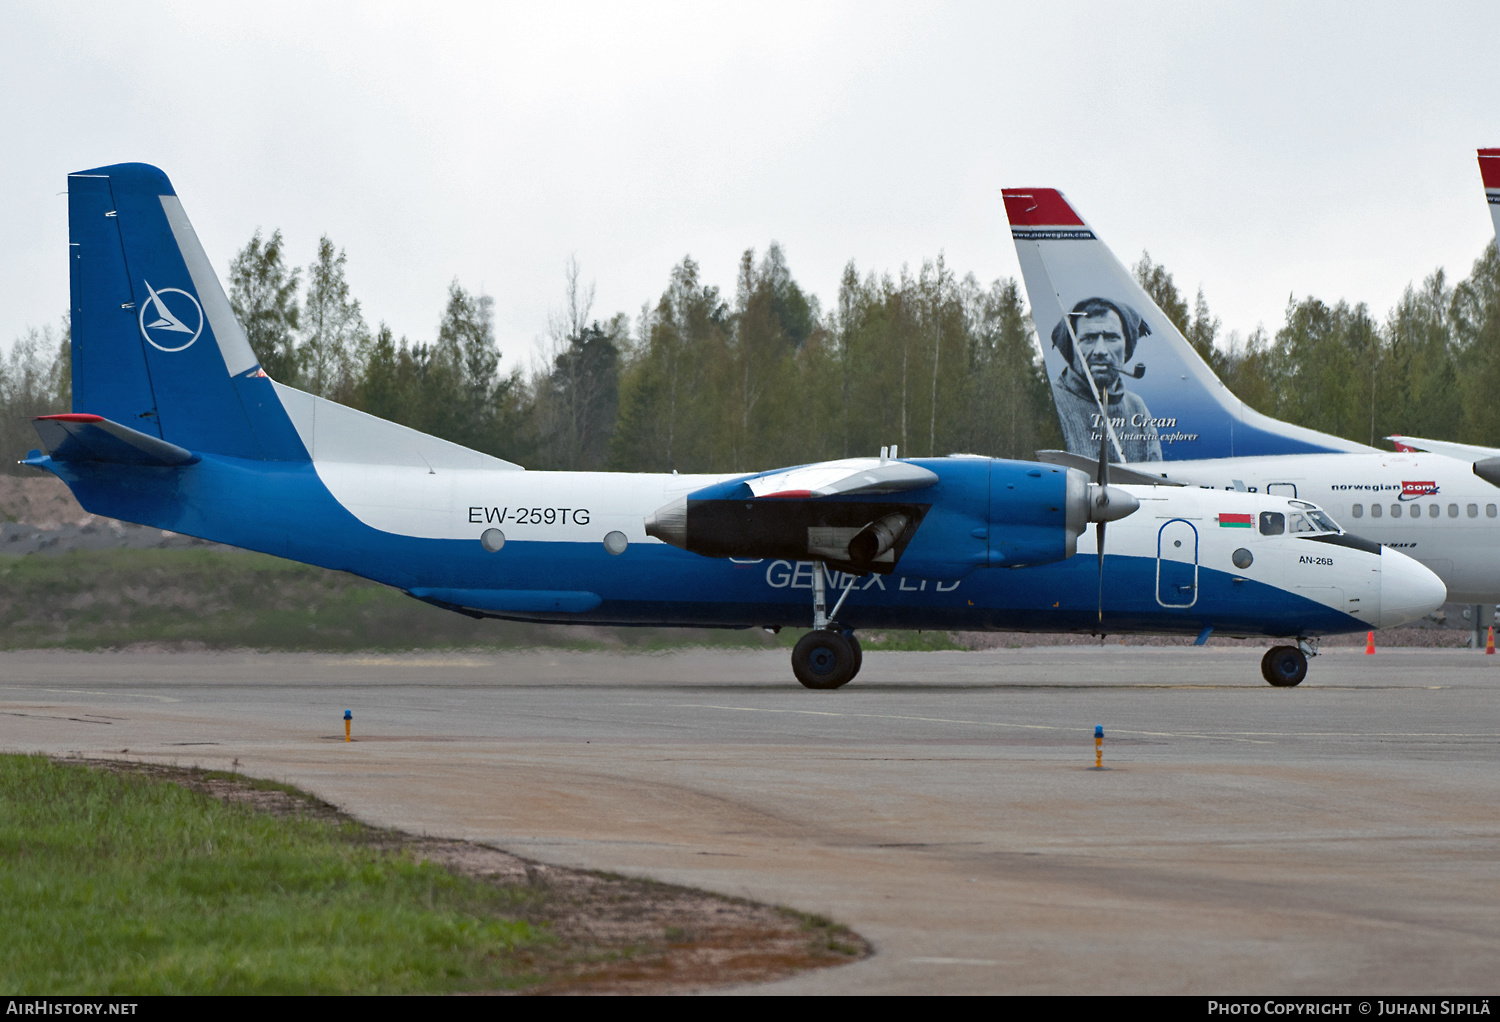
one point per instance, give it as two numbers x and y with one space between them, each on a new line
176 426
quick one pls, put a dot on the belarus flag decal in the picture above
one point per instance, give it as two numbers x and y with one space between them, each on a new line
1236 521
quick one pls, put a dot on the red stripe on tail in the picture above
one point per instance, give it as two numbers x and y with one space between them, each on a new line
1489 167
1039 207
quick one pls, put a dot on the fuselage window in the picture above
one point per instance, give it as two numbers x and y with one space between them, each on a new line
1433 511
1416 510
1395 510
1357 510
1452 510
1473 510
1376 510
1300 524
1272 523
1489 510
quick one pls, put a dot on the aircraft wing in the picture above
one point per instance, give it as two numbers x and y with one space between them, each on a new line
1463 452
80 437
847 476
1486 459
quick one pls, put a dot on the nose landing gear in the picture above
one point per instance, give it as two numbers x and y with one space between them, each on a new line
828 656
1286 666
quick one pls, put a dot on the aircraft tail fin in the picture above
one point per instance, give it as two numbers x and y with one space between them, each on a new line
157 350
1103 337
1489 173
156 347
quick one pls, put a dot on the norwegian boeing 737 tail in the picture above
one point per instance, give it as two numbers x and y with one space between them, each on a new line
1107 345
1489 172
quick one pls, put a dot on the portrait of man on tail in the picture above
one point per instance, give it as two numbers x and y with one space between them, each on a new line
1096 339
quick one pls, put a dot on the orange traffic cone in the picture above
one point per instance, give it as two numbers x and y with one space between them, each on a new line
1369 644
1489 644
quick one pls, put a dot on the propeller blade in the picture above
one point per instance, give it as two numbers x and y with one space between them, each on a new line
1099 533
1103 499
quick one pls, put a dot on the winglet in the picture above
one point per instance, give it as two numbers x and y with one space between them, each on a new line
78 436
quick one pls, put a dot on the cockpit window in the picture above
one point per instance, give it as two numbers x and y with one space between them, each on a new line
1299 524
1272 523
1322 521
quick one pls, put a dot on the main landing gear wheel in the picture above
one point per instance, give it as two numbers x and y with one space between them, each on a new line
824 660
1284 666
859 654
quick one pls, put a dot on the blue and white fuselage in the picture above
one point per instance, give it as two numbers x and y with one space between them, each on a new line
408 510
176 426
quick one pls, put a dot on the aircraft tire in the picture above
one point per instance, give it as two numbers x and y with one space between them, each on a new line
1284 666
823 660
859 653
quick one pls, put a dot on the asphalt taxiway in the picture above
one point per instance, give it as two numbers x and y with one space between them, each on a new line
1343 836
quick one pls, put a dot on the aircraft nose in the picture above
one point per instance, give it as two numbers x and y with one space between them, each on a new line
1408 589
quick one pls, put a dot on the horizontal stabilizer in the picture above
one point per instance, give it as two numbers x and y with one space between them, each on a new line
78 437
843 478
1117 473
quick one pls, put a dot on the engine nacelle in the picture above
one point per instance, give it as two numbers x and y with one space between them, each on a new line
957 515
858 536
1031 513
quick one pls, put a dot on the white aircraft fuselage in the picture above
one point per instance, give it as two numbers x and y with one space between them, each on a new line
1429 506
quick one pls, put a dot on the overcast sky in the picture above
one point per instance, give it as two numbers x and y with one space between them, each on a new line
1255 149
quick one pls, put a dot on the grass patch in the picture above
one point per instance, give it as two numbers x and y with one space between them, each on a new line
115 883
148 878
